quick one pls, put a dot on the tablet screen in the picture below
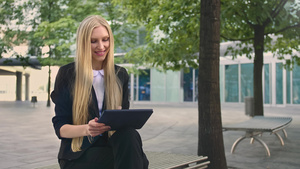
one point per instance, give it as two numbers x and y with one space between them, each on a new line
118 119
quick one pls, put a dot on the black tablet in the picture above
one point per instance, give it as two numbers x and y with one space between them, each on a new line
118 119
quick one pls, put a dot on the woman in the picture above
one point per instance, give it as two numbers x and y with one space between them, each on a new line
82 91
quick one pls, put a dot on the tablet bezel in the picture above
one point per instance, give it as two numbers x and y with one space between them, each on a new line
118 119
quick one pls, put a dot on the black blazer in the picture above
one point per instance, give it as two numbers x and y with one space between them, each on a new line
63 100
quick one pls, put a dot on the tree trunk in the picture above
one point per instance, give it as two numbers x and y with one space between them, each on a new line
210 136
257 71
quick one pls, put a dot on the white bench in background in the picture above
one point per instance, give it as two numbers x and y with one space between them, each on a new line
258 125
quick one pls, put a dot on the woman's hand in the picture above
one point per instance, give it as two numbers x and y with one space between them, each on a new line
94 128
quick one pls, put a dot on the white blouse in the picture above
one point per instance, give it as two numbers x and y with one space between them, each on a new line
98 84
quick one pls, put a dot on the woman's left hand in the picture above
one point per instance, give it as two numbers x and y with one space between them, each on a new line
95 128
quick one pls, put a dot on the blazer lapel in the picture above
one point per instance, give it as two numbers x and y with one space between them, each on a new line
93 107
104 103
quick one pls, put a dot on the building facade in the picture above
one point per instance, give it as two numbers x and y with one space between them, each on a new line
281 87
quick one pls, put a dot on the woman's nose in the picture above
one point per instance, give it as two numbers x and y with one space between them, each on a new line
100 45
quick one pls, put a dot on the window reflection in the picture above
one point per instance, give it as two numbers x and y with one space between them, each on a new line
231 83
144 85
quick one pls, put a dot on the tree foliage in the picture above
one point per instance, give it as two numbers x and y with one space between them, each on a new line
173 32
12 32
48 27
173 29
280 22
262 26
257 26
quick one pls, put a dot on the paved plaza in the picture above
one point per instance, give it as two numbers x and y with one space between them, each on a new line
28 140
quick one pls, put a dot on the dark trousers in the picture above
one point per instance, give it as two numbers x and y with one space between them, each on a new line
123 150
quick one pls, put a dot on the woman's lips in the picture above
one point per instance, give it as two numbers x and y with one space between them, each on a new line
99 53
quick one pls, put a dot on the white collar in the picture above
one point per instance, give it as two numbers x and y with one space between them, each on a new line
98 72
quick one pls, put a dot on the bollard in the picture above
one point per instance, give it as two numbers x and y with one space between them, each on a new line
249 106
33 100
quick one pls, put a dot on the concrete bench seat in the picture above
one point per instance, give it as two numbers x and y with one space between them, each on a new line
258 125
161 160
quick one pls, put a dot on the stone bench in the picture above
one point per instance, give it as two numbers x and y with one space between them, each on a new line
258 125
160 160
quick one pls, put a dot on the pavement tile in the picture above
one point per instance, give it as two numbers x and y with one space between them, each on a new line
28 140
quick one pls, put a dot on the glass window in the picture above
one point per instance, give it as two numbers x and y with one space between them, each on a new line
196 84
129 89
296 85
288 86
279 82
231 83
144 85
173 86
221 78
188 85
134 88
267 86
246 80
158 86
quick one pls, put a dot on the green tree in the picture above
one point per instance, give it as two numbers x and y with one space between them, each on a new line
123 31
261 26
210 136
173 37
49 28
55 23
173 43
12 30
52 30
173 32
52 24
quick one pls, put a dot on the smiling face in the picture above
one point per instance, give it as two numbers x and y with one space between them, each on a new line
99 46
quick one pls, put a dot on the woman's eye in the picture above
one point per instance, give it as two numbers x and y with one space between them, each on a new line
93 41
107 39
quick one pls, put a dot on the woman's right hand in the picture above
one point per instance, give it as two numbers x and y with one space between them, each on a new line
94 128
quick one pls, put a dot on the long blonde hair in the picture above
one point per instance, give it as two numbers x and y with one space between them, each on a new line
84 75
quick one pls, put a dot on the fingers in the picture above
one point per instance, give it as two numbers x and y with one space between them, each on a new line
95 128
97 131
